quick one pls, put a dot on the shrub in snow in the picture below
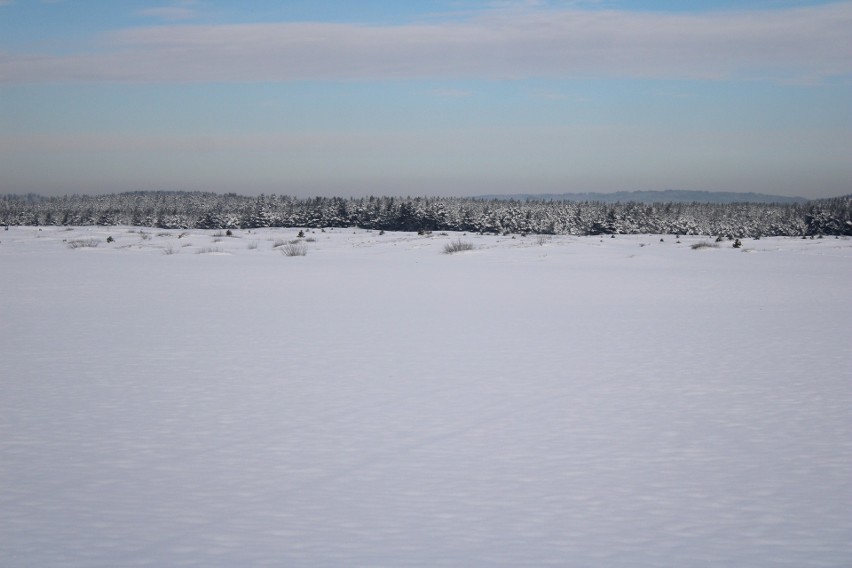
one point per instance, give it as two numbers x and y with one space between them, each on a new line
294 249
738 244
457 246
704 244
301 234
82 243
110 239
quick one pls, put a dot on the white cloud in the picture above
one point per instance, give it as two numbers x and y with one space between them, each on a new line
798 44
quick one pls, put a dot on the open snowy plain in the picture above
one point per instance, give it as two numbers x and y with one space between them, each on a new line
184 399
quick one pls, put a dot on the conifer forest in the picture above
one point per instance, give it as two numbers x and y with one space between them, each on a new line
203 210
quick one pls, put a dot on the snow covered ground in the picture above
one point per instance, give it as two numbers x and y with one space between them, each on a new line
570 402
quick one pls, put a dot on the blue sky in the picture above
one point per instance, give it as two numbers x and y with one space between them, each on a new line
449 97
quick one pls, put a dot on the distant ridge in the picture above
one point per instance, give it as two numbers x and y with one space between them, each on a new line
667 196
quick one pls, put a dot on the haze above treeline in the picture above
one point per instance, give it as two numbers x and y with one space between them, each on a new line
639 196
666 196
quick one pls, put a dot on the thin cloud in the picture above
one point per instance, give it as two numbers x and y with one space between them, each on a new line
181 10
800 44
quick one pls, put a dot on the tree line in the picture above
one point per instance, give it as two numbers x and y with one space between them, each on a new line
203 210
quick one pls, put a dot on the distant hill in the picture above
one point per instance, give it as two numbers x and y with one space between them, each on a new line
668 196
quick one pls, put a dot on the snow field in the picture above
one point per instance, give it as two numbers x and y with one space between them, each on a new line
582 402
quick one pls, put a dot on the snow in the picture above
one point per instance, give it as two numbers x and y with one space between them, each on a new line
582 401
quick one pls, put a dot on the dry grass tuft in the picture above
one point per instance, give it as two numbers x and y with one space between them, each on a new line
457 246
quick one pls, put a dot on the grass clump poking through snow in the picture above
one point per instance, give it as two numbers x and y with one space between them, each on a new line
703 245
82 243
294 249
457 246
208 250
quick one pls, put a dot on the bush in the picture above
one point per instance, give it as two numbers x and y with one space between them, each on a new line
208 250
82 243
291 249
704 244
457 246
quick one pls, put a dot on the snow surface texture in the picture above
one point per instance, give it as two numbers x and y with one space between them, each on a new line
569 402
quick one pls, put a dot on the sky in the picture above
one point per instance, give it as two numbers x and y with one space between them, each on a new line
433 97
